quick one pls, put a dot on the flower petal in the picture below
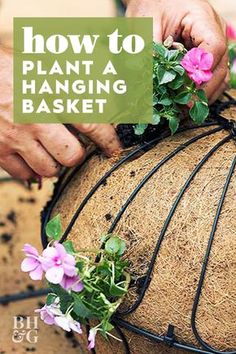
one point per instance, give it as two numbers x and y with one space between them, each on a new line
206 61
49 320
70 260
77 287
230 32
61 251
29 264
54 275
30 250
50 252
200 76
62 322
75 326
196 56
69 270
72 283
187 64
46 315
37 273
91 338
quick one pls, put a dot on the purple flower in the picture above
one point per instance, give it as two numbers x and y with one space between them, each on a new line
230 32
57 263
91 338
51 314
32 263
48 312
72 283
198 64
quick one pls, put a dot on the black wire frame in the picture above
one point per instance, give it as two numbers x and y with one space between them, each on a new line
220 123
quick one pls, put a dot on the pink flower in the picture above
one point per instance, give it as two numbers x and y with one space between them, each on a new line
32 263
57 263
51 314
198 64
91 338
48 313
72 283
231 32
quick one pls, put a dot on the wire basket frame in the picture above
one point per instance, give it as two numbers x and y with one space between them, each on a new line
216 124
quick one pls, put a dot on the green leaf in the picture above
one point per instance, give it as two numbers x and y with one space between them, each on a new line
179 69
117 290
155 117
183 97
122 248
166 76
69 246
139 129
199 112
159 49
172 54
173 124
165 101
80 309
54 228
202 96
154 100
115 246
177 83
65 298
107 327
80 265
162 90
51 298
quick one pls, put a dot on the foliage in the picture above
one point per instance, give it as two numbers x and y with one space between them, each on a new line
85 284
173 90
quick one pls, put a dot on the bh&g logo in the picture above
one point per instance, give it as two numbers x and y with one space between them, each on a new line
25 328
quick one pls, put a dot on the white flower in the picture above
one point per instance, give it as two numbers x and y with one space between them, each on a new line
67 323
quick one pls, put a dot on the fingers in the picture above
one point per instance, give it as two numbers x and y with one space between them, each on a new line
142 9
38 159
219 80
157 32
17 167
61 144
214 41
221 89
103 135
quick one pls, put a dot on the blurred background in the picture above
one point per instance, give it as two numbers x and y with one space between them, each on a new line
20 207
76 8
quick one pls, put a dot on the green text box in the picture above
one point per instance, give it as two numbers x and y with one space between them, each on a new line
83 70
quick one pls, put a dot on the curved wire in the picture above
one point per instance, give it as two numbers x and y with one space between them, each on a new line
205 263
166 224
123 338
23 296
159 339
145 147
155 169
142 149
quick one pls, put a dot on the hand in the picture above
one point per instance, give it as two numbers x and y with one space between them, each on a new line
40 149
194 23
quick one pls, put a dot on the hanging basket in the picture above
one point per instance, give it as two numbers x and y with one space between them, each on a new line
173 201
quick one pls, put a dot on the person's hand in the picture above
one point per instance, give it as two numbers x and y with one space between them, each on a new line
194 23
40 149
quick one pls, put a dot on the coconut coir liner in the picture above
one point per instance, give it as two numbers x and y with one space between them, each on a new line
169 298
